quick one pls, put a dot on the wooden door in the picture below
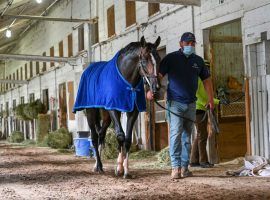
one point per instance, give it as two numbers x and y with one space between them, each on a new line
62 111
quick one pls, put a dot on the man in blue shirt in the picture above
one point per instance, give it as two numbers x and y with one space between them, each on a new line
184 68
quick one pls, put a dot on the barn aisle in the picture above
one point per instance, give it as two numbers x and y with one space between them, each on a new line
43 173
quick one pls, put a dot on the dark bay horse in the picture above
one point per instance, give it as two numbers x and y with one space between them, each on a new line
136 60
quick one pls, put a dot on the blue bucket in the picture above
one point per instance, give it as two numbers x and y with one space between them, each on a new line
82 146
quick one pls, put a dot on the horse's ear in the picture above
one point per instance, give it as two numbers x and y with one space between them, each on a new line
157 42
143 42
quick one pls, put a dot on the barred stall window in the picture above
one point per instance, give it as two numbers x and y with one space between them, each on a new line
153 8
111 21
130 13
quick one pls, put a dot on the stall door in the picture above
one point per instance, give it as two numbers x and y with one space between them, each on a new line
227 70
258 63
62 111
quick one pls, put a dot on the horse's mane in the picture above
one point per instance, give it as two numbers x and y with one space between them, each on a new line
130 48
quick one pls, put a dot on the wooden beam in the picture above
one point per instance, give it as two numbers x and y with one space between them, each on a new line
226 39
180 2
248 128
13 81
32 17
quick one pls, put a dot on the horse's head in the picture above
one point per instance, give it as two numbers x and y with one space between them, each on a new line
149 61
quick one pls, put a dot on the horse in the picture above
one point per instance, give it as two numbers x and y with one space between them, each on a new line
136 61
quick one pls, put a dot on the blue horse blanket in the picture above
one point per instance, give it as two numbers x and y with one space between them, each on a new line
103 86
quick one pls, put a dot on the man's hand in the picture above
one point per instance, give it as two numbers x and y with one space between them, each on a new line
150 95
211 105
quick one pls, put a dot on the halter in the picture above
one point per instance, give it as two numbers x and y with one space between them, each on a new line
144 73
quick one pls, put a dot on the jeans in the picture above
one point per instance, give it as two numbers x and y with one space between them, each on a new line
180 132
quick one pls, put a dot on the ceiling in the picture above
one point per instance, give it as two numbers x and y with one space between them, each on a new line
31 7
18 26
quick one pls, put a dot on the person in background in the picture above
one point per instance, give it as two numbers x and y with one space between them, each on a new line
199 156
183 68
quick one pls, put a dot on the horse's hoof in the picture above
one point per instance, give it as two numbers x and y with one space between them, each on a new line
118 173
128 176
98 170
95 169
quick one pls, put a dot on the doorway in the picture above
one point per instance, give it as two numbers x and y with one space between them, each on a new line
224 49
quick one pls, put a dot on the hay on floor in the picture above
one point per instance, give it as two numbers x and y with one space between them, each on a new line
164 156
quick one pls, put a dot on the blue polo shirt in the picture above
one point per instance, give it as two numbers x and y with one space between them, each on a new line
183 73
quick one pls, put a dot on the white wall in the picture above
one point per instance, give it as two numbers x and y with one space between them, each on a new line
169 23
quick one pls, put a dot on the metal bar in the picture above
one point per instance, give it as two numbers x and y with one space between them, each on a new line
37 58
19 23
8 44
8 5
181 2
13 81
32 17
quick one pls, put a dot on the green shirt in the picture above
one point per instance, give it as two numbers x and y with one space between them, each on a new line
202 97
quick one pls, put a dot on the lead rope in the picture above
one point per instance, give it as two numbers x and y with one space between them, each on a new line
204 116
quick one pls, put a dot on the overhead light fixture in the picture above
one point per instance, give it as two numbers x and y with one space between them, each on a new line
8 33
39 1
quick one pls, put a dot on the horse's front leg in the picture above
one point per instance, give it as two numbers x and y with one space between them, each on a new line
120 135
131 118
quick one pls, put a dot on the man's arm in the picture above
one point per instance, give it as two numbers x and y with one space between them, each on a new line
207 83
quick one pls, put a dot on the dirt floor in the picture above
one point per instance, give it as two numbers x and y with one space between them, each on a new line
43 173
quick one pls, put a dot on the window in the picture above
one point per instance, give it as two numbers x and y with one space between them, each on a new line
21 73
37 68
130 13
17 74
52 55
10 79
14 103
31 97
45 98
14 79
61 49
111 21
25 71
31 69
95 36
22 100
81 38
7 108
7 83
44 63
153 8
70 45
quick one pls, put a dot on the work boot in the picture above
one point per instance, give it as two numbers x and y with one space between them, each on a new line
185 172
176 173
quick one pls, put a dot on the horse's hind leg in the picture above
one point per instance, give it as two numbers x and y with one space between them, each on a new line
131 118
92 120
106 121
120 135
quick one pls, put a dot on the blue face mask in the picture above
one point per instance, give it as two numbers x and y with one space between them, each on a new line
188 50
